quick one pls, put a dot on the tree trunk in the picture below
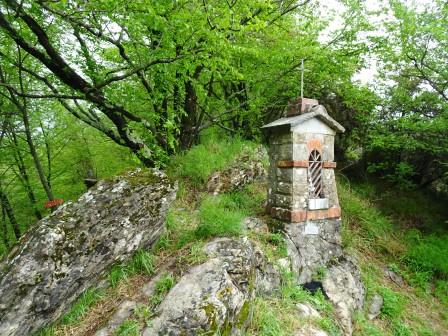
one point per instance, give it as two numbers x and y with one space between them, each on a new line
48 152
37 163
24 177
189 135
4 228
6 205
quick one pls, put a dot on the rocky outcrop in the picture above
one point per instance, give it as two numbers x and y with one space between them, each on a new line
309 251
68 251
316 245
255 224
246 169
343 286
214 296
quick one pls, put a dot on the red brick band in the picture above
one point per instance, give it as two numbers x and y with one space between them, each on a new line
329 164
304 215
303 164
290 164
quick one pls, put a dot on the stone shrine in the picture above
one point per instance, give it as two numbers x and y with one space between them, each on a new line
302 185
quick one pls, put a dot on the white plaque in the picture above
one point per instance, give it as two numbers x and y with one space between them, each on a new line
311 229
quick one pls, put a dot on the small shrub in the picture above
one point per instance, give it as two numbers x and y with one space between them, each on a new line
430 254
441 291
401 329
393 304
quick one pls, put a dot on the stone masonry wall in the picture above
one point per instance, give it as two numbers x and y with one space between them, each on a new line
280 180
288 175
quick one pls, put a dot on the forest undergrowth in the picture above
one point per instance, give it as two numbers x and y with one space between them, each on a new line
383 230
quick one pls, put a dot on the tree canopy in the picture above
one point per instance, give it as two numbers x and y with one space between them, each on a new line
90 87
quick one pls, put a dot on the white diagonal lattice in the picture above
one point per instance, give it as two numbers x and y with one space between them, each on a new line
315 175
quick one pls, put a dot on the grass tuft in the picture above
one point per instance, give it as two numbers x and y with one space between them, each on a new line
162 287
219 216
128 328
142 262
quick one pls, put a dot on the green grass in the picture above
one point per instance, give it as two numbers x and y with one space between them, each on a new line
418 209
162 287
374 228
393 304
267 321
82 305
401 329
202 160
141 262
128 328
394 229
79 309
278 315
429 254
219 216
329 325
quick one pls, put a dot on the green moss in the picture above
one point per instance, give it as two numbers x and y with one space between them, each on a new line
244 315
143 177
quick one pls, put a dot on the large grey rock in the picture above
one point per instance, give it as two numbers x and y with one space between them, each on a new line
307 251
214 296
246 169
344 288
68 251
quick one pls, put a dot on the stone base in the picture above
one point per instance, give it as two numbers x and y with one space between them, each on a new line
312 245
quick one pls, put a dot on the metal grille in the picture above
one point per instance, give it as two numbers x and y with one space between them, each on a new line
315 175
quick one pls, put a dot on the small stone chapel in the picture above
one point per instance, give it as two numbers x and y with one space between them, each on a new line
302 185
302 193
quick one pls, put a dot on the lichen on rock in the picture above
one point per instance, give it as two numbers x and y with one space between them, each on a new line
67 252
246 169
214 296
